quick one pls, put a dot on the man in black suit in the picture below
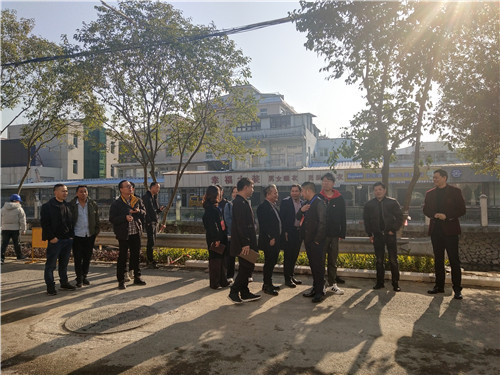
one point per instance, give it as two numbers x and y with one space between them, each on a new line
312 216
243 238
269 236
291 234
444 204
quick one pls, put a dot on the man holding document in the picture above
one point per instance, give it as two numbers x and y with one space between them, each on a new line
243 242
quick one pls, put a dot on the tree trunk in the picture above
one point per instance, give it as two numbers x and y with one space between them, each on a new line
28 168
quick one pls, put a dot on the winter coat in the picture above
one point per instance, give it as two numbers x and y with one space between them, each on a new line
13 217
335 214
56 220
391 213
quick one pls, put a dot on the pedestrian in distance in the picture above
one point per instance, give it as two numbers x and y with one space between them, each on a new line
127 215
216 237
57 228
13 223
85 212
270 229
383 218
291 240
443 205
312 216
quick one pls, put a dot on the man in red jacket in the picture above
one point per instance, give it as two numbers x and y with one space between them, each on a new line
444 204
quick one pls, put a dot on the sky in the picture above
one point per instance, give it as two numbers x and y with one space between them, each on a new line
279 60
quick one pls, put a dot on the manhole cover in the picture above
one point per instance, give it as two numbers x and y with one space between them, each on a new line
111 319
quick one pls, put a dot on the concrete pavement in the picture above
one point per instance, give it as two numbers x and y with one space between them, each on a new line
177 325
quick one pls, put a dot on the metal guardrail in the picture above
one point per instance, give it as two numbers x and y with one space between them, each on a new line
352 245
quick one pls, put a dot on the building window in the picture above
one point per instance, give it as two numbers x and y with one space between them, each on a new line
113 147
209 155
263 112
112 173
280 122
75 140
75 166
248 127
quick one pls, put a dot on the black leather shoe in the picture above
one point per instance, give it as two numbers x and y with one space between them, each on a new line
270 291
378 286
139 281
67 286
298 282
458 296
338 280
310 293
276 287
121 285
86 281
396 288
318 298
435 290
290 284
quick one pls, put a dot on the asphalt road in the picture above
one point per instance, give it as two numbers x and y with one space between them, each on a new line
177 325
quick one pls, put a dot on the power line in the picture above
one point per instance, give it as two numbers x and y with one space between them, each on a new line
192 38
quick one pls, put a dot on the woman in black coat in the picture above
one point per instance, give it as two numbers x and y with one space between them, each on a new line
215 234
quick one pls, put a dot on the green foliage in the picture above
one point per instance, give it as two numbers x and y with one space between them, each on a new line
468 112
47 94
396 52
166 93
408 263
363 42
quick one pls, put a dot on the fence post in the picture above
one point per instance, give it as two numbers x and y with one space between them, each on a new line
483 203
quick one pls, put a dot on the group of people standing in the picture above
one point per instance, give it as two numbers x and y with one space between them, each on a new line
316 219
319 221
74 225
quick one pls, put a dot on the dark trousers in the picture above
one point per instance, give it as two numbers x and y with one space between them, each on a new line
217 269
291 253
134 244
58 254
245 270
271 254
332 252
82 253
440 243
380 242
151 232
6 236
315 256
230 261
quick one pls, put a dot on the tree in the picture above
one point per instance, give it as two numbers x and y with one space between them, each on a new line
166 94
468 111
47 95
363 42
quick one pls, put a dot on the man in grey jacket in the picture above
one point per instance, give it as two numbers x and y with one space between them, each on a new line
13 222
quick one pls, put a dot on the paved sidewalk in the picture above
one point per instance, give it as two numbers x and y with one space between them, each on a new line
177 325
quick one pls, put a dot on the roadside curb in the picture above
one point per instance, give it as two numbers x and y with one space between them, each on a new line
467 280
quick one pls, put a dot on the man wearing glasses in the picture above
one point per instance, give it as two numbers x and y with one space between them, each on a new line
127 214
